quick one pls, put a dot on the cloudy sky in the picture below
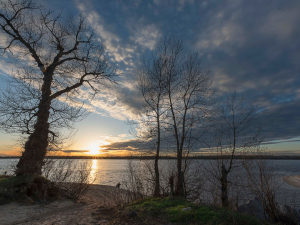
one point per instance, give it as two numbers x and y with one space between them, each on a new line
250 45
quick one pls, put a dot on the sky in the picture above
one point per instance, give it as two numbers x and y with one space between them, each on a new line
252 46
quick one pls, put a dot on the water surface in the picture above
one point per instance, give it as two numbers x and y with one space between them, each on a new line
111 172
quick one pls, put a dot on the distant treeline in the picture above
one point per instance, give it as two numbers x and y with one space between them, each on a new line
274 157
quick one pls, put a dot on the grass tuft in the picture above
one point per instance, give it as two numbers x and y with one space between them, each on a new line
166 210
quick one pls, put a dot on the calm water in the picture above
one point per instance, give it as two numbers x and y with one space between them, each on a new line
106 171
111 171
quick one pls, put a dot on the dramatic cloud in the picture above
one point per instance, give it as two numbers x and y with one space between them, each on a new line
252 46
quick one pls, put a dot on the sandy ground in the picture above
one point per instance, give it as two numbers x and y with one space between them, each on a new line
61 212
292 180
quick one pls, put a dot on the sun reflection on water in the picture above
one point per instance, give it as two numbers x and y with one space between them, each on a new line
94 168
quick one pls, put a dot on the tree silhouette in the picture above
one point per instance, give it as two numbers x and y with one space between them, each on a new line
236 132
152 83
60 58
180 90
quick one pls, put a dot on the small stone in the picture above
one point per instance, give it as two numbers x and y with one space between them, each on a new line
187 209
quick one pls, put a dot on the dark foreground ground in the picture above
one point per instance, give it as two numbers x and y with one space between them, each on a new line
100 206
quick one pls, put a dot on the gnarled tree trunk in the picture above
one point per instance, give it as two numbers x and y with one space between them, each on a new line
32 159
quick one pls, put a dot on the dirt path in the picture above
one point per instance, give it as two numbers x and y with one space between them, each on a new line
62 212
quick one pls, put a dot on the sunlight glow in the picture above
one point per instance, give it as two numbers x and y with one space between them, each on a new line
95 148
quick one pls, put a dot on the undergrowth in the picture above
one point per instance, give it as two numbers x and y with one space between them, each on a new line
166 210
27 189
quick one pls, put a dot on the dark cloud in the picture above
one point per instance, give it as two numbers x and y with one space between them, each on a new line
74 151
282 120
280 123
250 45
128 145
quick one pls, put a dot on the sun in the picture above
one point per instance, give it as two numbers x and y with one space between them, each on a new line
95 148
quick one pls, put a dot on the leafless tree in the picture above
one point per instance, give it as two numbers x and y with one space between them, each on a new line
152 83
188 90
60 58
235 133
264 184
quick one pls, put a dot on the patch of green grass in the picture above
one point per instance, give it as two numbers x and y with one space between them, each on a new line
170 209
4 177
201 213
156 205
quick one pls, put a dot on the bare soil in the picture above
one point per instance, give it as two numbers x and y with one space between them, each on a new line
64 211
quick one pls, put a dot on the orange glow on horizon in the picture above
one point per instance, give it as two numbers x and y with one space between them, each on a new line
96 149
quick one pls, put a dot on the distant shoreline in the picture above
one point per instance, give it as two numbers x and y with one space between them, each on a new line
271 157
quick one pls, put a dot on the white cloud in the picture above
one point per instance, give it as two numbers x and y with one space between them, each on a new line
146 35
111 40
113 101
219 33
122 135
112 139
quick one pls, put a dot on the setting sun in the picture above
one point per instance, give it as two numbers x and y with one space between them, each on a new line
95 148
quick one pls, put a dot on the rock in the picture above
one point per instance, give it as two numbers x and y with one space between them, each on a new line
187 209
253 208
289 214
286 214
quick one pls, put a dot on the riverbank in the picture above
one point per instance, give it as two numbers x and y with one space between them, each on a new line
292 180
98 206
63 211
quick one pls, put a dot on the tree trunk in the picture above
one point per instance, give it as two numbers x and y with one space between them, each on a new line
179 188
32 159
157 183
171 183
224 186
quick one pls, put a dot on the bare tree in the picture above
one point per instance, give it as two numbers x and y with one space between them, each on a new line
235 133
264 184
188 90
59 56
151 83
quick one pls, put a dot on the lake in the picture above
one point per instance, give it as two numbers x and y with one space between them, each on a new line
111 171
